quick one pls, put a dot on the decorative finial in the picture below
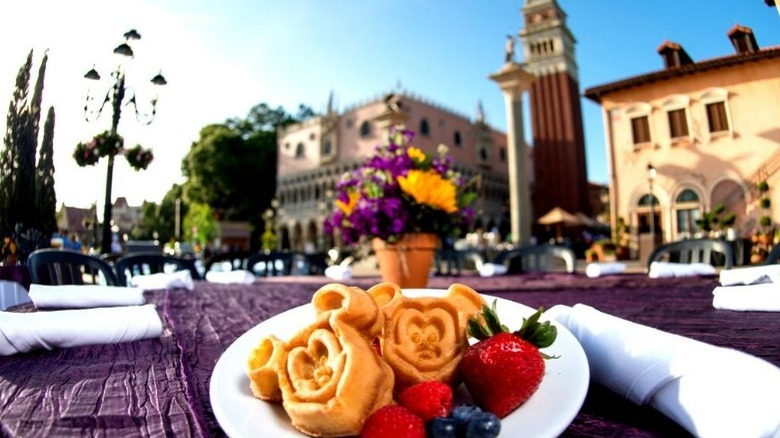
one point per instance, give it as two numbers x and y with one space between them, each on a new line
509 49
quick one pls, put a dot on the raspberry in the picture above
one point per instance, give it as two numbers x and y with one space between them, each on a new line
393 422
427 399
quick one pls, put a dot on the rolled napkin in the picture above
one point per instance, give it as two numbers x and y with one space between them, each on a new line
708 390
755 297
338 272
597 269
163 280
667 269
750 275
491 269
22 332
84 296
239 276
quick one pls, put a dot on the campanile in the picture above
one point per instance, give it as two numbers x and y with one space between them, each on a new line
560 173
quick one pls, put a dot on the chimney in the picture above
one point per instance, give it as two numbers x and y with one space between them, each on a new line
674 55
742 39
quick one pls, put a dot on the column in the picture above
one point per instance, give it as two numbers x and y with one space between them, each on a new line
513 80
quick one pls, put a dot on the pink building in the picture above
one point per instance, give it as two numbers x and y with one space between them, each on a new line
314 154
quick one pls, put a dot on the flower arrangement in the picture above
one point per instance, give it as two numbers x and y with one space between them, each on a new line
139 158
398 190
9 250
108 144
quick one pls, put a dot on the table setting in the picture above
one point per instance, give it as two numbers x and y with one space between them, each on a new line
181 376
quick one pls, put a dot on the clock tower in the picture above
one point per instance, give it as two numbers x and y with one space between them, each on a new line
560 173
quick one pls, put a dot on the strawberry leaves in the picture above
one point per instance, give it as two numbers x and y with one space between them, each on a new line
487 324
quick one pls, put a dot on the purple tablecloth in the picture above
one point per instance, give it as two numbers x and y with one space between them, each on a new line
161 386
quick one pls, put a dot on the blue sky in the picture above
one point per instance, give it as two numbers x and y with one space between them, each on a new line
222 58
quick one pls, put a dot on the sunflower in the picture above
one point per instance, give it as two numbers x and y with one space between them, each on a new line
429 188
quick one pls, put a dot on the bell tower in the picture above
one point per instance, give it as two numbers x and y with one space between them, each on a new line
560 172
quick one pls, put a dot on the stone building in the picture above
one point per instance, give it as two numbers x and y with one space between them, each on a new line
693 135
314 154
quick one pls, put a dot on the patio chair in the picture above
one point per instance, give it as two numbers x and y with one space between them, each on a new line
56 267
228 261
773 256
270 264
146 263
714 252
537 258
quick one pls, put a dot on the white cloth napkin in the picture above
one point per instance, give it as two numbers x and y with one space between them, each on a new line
750 275
710 391
338 272
239 276
84 296
22 332
597 269
754 297
491 269
667 269
163 280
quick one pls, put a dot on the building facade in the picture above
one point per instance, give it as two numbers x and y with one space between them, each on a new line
314 154
696 134
560 171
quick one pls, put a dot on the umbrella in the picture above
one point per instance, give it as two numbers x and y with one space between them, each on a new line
587 221
559 216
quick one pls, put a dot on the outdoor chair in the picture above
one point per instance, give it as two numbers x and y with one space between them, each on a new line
56 267
714 252
537 258
454 261
269 264
146 263
228 261
773 256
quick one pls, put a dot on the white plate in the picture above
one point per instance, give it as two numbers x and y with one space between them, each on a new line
546 414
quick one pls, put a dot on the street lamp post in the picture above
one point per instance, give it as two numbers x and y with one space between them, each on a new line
116 95
650 178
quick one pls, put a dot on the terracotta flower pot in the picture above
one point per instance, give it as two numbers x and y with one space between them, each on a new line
407 262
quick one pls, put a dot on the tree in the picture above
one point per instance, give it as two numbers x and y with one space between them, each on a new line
45 196
16 122
160 218
200 226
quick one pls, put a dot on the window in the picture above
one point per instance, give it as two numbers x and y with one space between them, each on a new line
640 130
678 123
687 206
638 116
299 150
457 139
327 147
424 128
716 108
483 153
716 117
502 154
677 108
365 129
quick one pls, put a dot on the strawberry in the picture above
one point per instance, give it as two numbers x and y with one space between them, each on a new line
393 421
504 369
427 400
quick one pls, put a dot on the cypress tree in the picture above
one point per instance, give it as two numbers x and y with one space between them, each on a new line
16 124
45 196
28 144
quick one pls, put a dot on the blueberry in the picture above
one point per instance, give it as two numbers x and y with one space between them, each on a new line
462 413
442 427
483 425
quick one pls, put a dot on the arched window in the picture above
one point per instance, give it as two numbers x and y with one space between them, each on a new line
457 139
299 150
424 128
365 129
648 203
688 211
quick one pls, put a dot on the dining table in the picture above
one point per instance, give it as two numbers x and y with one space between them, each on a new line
161 386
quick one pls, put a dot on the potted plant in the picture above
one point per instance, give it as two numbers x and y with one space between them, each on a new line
403 201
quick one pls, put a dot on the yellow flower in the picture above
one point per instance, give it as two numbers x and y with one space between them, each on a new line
347 208
431 189
415 154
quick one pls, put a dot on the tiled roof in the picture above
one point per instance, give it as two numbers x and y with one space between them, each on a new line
596 93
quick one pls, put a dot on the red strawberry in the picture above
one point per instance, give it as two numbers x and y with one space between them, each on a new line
393 422
504 369
427 399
